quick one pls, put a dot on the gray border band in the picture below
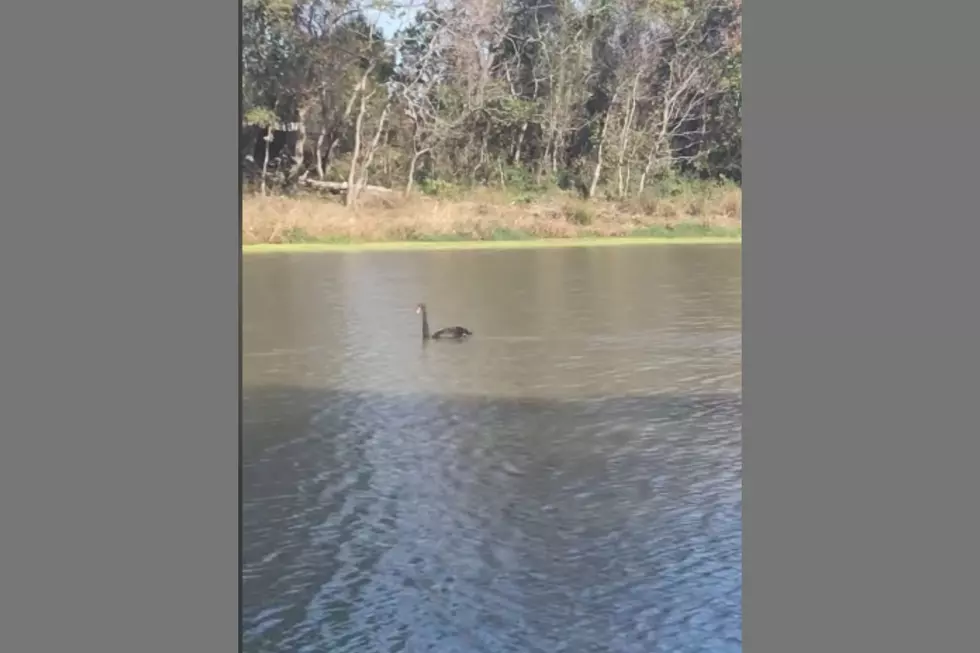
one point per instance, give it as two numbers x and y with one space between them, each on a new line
859 327
120 250
119 257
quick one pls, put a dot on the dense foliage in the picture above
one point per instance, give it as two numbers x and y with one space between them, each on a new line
586 94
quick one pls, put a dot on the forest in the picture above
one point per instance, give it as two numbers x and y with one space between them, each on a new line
624 103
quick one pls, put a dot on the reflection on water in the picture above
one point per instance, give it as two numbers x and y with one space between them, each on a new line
567 480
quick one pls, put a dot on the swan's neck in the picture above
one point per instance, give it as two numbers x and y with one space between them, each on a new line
425 325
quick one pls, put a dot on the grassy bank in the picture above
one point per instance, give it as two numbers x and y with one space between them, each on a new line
261 248
487 218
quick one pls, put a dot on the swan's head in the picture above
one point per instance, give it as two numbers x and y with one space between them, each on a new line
420 308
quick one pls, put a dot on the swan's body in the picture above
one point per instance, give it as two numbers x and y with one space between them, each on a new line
448 333
452 333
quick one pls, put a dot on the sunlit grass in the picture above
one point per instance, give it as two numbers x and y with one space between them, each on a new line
487 215
482 244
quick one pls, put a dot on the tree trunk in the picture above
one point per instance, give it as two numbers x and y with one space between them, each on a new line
359 90
482 157
324 164
411 171
621 157
351 195
655 148
299 150
602 141
320 170
542 165
372 148
328 158
386 161
619 178
624 138
646 171
554 151
519 145
265 160
596 172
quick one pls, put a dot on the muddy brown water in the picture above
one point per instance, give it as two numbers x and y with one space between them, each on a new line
567 480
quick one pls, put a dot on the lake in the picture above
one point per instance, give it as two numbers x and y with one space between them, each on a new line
569 479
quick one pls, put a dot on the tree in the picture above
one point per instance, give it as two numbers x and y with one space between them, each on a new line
615 94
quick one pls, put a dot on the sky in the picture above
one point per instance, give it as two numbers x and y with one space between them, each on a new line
388 22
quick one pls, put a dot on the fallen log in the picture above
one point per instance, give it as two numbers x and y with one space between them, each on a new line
340 186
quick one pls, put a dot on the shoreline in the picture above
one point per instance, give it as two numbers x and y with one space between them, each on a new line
530 243
489 219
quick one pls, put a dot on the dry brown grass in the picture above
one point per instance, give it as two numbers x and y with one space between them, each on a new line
483 215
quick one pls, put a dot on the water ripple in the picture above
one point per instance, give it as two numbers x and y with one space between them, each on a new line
519 493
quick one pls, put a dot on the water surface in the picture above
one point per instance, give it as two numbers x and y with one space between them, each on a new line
567 480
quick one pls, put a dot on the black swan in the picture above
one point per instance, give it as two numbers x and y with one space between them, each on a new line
449 333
